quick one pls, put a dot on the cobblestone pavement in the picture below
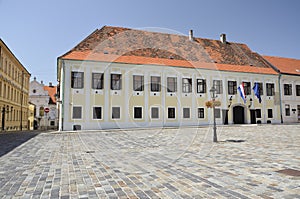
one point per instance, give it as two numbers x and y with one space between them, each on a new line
154 163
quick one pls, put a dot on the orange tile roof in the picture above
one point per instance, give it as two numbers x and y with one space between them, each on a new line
123 45
90 56
285 65
51 91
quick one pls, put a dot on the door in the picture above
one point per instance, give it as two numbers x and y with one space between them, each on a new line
225 116
298 107
253 116
238 115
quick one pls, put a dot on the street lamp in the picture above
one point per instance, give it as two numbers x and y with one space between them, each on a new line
213 91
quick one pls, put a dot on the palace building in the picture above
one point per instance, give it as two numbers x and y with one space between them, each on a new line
127 78
14 87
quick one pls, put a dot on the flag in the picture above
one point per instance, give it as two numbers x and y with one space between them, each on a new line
242 92
256 90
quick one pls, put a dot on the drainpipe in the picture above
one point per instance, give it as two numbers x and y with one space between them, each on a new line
281 119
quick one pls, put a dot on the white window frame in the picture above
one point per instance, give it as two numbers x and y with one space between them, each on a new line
77 106
93 112
134 112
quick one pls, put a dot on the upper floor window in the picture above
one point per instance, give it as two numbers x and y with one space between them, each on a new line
247 88
155 84
116 82
298 90
270 89
77 80
201 86
138 83
232 87
97 80
287 89
171 84
260 87
218 86
187 85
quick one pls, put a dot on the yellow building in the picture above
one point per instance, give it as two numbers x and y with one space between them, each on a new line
31 118
14 87
125 78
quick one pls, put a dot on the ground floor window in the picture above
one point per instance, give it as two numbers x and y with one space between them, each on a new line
200 112
186 113
218 113
97 113
258 113
287 110
138 113
116 113
77 112
270 113
171 113
154 113
52 123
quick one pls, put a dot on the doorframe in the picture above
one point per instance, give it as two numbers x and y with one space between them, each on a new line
245 112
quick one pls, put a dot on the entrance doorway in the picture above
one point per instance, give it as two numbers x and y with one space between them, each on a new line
238 115
253 116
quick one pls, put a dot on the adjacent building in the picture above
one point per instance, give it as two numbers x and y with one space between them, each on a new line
289 70
126 78
44 99
14 90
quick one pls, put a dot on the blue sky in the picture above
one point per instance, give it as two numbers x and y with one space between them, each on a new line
38 31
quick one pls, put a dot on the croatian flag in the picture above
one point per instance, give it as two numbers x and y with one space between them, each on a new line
242 92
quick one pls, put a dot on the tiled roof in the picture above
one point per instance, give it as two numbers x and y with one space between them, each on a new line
285 65
51 91
142 47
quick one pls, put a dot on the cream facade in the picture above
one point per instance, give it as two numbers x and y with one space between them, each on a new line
14 90
158 105
290 96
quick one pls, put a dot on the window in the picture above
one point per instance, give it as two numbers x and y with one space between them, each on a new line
298 90
247 88
77 80
287 89
115 113
154 113
52 123
287 110
232 87
155 84
186 113
97 113
171 84
218 113
201 86
116 82
186 85
33 91
138 83
270 113
258 113
138 114
270 89
218 86
200 112
77 112
97 80
171 113
261 90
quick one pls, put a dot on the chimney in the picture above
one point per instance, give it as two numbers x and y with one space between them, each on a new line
191 36
50 84
34 79
223 38
42 82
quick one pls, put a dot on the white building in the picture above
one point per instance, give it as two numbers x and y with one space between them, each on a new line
43 97
289 70
124 78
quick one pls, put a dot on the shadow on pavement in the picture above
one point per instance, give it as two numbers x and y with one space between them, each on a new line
11 140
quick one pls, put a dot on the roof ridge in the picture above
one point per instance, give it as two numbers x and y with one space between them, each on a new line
279 57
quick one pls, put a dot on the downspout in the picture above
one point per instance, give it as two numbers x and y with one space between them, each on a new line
61 108
279 78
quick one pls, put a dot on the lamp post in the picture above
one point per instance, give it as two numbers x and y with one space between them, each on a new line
213 91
